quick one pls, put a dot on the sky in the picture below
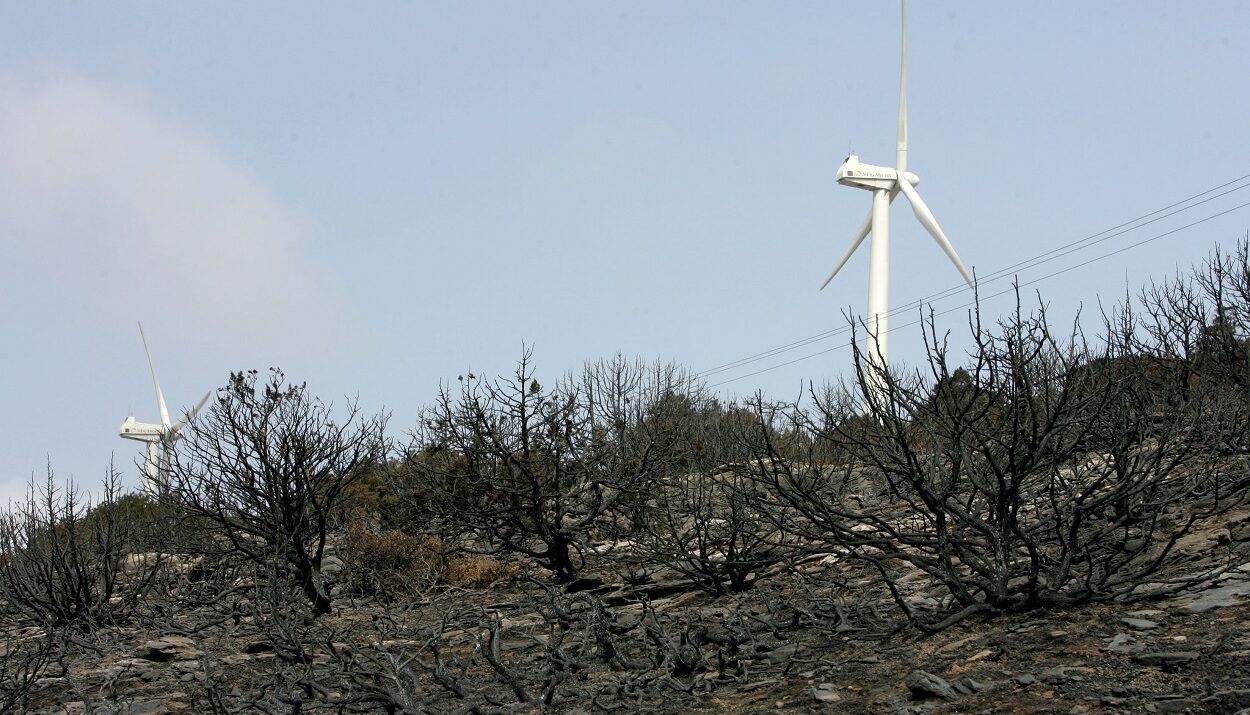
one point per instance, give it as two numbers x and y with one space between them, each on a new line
377 198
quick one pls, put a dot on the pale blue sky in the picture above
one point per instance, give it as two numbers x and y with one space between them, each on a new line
379 197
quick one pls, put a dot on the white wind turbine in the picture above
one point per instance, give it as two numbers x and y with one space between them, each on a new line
885 183
159 437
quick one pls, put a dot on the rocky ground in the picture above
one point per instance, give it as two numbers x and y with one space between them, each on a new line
821 638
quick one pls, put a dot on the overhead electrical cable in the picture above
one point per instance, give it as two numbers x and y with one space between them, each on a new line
1040 259
1033 262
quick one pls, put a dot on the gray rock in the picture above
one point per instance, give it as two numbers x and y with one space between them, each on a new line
163 650
1239 530
784 654
924 603
825 693
1139 624
927 685
1124 643
1025 680
1175 705
1230 594
1167 658
1058 674
1230 698
968 686
331 566
145 707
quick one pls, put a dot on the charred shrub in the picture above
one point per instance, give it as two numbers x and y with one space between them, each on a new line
510 465
264 472
1029 480
66 565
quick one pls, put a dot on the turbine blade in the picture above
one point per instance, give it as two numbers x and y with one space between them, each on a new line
191 413
925 216
900 161
860 235
160 398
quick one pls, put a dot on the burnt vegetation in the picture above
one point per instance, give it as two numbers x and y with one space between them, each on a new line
618 539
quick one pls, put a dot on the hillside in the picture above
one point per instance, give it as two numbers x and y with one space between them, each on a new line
775 648
1054 522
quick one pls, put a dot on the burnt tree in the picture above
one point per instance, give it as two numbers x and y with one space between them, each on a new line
263 473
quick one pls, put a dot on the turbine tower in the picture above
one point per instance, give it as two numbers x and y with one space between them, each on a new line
885 183
158 437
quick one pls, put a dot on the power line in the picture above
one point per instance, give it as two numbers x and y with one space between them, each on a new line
1111 233
997 275
1040 259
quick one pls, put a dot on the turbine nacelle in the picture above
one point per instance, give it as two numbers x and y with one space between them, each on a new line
140 431
146 432
858 175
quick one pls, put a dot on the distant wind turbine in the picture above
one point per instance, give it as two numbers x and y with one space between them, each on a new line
885 183
159 437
